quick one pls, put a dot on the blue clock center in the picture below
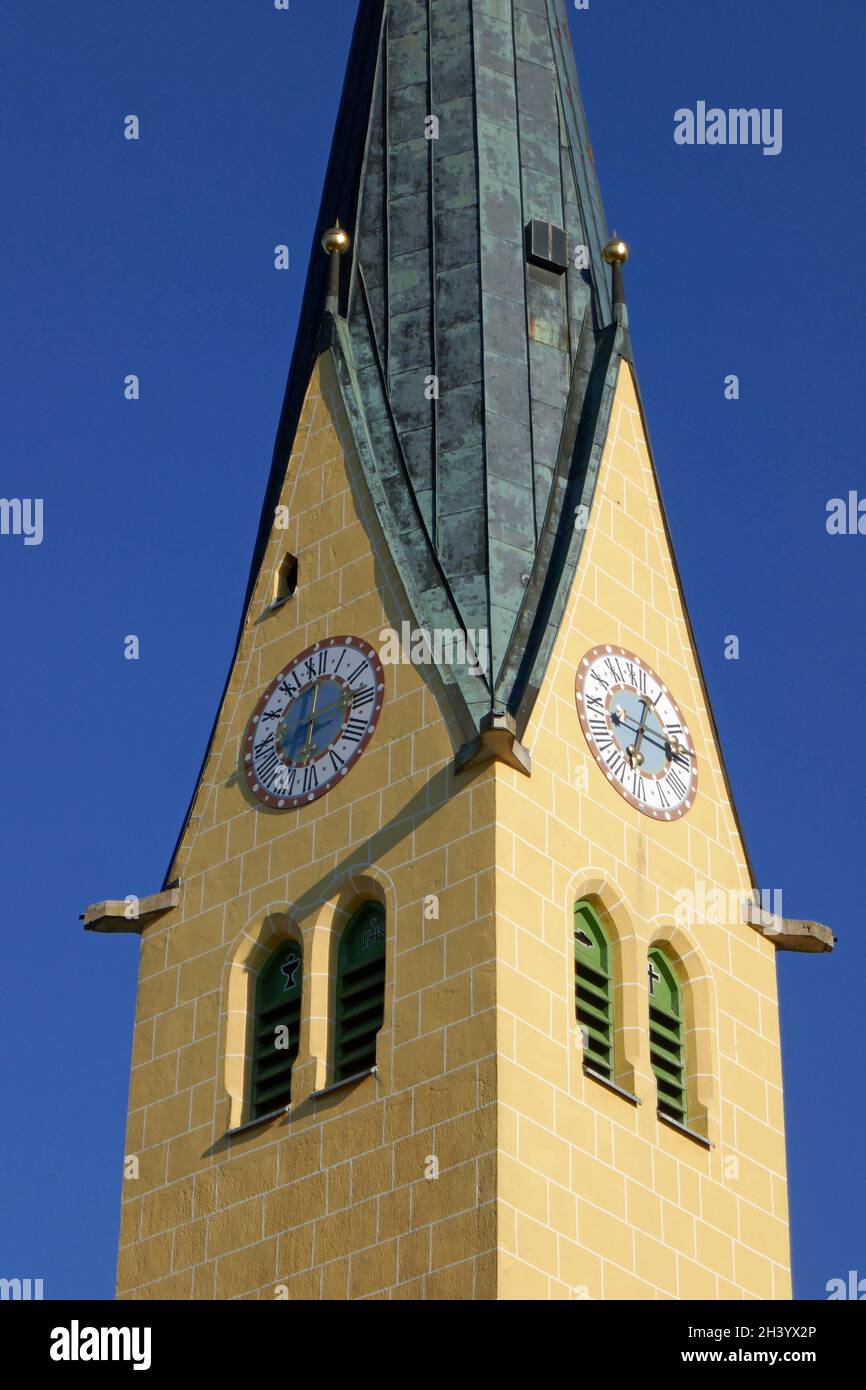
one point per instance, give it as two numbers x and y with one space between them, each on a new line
313 720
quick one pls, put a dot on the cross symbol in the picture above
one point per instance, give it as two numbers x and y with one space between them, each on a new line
653 976
289 968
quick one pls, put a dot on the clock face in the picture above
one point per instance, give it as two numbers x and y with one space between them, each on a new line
636 732
313 722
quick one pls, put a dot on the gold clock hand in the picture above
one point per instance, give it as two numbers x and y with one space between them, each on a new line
634 755
343 701
316 714
678 749
335 704
306 751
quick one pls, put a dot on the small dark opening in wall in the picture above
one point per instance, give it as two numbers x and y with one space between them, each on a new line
547 246
285 579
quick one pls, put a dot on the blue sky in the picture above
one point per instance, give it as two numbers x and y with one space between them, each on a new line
156 258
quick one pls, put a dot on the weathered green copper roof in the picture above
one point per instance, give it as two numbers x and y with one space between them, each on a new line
477 481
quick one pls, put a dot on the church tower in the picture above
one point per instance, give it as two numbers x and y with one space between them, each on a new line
459 985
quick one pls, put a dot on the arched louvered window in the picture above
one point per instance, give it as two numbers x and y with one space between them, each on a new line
360 992
277 1029
593 994
667 1038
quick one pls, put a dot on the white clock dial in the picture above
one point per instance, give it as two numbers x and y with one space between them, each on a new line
636 733
313 722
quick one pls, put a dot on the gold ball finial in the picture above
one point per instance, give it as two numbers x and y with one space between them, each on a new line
336 239
616 251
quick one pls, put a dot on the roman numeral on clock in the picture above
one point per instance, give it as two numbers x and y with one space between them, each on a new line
677 784
617 765
363 696
285 779
311 778
264 760
355 730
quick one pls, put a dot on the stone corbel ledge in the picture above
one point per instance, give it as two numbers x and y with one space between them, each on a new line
111 916
497 738
788 933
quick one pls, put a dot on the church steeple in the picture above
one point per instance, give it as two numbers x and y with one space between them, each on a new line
488 922
476 341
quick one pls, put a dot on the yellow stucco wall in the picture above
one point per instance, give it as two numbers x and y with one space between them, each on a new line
597 1198
549 1185
335 1203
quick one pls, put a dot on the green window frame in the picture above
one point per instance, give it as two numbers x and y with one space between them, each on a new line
277 1030
360 1010
593 991
667 1036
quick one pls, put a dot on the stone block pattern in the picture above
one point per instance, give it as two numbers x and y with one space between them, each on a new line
337 1201
549 1185
596 1197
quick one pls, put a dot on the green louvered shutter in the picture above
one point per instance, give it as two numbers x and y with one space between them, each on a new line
360 992
593 1000
667 1041
277 1029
